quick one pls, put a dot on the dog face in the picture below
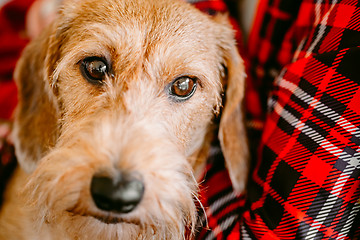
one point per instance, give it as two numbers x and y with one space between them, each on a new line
116 99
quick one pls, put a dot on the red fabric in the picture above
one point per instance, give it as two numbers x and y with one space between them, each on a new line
305 183
12 42
306 180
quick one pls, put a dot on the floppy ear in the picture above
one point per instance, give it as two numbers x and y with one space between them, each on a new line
232 132
37 114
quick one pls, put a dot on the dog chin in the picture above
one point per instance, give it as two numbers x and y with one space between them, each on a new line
95 226
108 218
70 225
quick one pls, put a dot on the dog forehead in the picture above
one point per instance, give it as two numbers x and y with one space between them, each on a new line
156 18
141 10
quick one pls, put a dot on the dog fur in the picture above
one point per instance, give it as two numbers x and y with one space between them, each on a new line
67 130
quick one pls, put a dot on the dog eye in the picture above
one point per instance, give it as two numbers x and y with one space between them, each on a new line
94 69
183 88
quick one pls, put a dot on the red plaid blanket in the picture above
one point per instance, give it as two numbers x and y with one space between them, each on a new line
305 182
306 179
302 65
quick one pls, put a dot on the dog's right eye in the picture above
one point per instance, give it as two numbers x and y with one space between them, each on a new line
182 88
94 69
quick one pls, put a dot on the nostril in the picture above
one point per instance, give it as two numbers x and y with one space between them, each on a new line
120 195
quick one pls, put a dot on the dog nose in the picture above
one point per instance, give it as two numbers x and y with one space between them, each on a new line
119 194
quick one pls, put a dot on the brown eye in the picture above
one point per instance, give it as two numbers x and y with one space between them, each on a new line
183 88
94 69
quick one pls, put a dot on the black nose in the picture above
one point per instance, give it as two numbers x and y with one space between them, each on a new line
120 194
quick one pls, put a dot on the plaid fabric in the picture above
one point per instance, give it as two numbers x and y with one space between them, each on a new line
306 181
222 208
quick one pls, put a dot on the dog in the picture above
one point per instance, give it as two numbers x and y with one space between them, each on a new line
115 117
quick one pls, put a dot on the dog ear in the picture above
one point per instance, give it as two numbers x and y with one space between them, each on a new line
232 132
35 123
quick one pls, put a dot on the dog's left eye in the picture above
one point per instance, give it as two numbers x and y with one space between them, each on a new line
183 88
94 69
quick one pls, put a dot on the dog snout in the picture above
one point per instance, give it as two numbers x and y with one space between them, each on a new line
120 194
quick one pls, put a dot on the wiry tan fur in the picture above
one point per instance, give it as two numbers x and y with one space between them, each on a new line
67 129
